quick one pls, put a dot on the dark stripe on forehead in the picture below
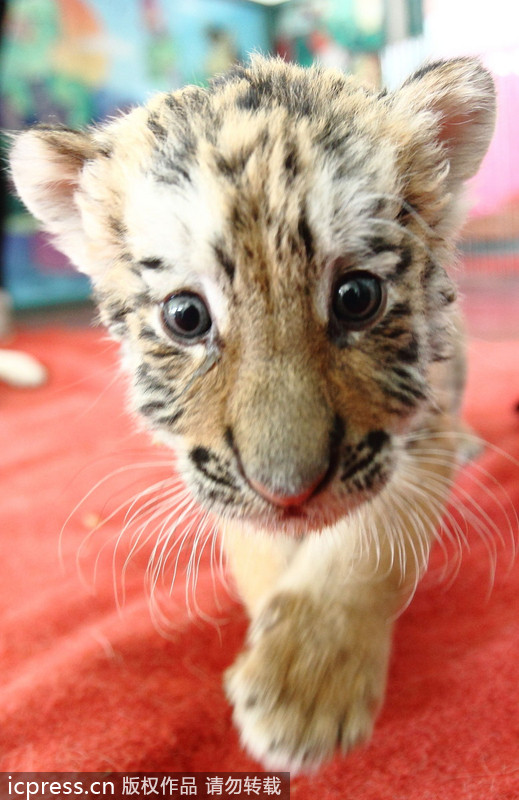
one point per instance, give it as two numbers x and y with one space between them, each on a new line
292 166
306 236
333 135
225 260
238 217
233 166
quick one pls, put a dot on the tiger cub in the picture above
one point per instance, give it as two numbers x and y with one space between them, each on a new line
273 252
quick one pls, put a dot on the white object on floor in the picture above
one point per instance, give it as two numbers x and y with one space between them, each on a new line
21 370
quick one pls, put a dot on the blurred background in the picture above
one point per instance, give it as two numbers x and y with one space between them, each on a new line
77 61
87 688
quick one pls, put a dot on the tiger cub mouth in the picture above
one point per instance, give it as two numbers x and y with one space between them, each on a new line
355 473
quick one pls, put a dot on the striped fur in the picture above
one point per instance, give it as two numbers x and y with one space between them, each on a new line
265 194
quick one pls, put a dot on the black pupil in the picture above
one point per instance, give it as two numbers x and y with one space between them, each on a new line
187 315
357 298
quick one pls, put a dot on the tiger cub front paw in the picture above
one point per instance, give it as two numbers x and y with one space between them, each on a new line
311 680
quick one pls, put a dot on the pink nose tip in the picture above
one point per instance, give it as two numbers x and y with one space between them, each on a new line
285 500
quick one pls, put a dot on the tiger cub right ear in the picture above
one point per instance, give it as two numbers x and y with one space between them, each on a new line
46 165
461 94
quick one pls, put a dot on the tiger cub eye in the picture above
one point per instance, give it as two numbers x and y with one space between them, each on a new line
186 317
358 298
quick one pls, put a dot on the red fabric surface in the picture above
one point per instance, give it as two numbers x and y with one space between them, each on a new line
87 687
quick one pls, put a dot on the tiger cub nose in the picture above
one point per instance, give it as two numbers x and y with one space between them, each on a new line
286 500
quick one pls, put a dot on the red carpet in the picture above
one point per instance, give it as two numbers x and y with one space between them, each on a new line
85 687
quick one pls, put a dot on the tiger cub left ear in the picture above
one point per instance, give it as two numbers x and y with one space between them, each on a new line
46 166
461 94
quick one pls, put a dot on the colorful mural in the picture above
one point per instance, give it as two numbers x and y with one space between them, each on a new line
77 61
345 34
331 31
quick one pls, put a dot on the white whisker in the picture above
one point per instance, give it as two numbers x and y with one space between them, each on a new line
104 480
137 541
434 459
433 493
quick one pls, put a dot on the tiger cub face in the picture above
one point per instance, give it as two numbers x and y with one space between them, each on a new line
272 252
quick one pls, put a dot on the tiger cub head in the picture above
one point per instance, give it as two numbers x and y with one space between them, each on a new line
272 252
